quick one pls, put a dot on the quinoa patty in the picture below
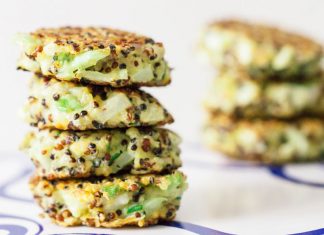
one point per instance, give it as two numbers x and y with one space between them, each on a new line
65 154
97 55
265 52
267 141
111 202
233 93
70 106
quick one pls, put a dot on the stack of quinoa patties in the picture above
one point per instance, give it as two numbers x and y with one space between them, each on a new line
267 102
101 158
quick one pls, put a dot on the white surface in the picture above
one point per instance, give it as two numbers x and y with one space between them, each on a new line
174 22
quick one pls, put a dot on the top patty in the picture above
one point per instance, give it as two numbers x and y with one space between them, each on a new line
264 51
98 55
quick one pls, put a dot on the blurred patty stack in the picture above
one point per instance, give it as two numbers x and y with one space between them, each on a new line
101 157
266 103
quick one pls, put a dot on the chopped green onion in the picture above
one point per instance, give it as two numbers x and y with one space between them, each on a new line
63 57
68 103
112 190
134 208
114 157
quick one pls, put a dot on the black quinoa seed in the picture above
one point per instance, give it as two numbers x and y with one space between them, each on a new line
137 117
169 214
142 107
122 66
60 168
97 125
81 160
92 146
134 147
149 41
124 53
157 151
83 113
112 47
152 57
56 97
76 116
44 102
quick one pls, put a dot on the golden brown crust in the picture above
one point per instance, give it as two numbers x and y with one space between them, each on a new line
262 33
90 38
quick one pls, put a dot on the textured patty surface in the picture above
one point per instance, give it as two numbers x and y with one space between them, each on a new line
70 154
96 55
267 141
66 105
265 52
233 93
111 202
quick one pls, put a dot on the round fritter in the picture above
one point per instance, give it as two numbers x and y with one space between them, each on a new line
70 154
71 106
112 202
265 52
98 55
233 93
268 141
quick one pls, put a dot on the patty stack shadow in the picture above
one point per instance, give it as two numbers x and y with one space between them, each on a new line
267 101
101 157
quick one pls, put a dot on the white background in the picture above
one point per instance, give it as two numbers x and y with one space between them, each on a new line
175 23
